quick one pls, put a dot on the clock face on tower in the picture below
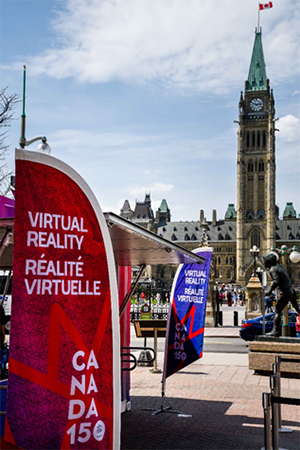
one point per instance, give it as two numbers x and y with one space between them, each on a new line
256 104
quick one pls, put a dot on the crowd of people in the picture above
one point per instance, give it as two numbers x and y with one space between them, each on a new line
231 297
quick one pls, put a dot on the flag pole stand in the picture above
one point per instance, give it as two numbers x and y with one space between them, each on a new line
162 407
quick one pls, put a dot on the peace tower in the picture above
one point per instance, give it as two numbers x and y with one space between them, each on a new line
256 211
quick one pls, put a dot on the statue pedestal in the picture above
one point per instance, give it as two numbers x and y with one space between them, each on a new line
254 298
263 349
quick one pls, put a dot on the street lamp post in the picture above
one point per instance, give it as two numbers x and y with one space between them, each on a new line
283 252
43 147
254 251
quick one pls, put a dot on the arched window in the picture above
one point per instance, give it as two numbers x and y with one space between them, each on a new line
219 260
248 140
264 139
258 139
253 139
226 259
250 166
186 237
261 166
255 238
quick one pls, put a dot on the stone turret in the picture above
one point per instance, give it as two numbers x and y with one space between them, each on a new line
214 217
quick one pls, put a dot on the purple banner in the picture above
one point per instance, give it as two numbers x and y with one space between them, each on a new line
186 321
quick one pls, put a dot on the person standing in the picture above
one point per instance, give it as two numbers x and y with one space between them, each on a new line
234 298
298 327
229 298
221 299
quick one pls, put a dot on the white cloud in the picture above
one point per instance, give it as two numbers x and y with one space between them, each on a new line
289 128
156 188
201 45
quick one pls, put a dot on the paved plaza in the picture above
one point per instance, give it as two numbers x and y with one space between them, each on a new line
219 400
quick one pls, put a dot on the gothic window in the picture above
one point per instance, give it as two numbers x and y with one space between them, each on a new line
255 238
193 238
248 140
219 260
173 238
264 139
186 237
258 139
250 166
231 260
220 237
226 259
253 139
227 237
291 237
298 235
261 166
185 229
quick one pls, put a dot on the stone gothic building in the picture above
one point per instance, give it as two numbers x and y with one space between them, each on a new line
255 221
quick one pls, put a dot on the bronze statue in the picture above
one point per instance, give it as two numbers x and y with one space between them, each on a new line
281 280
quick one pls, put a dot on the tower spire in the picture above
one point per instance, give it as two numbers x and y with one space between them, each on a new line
257 77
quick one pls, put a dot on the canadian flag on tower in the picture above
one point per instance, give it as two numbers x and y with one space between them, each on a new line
265 5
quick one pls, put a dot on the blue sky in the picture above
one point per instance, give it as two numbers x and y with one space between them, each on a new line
141 95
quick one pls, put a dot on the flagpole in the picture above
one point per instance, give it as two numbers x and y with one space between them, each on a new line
258 18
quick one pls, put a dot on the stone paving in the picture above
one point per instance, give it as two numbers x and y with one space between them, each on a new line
221 407
220 401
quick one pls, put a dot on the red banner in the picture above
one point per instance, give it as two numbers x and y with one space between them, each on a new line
64 366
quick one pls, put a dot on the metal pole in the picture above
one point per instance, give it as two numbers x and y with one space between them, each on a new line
266 401
274 392
23 116
276 372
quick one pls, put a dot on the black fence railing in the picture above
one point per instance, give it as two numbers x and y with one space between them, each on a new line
272 402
